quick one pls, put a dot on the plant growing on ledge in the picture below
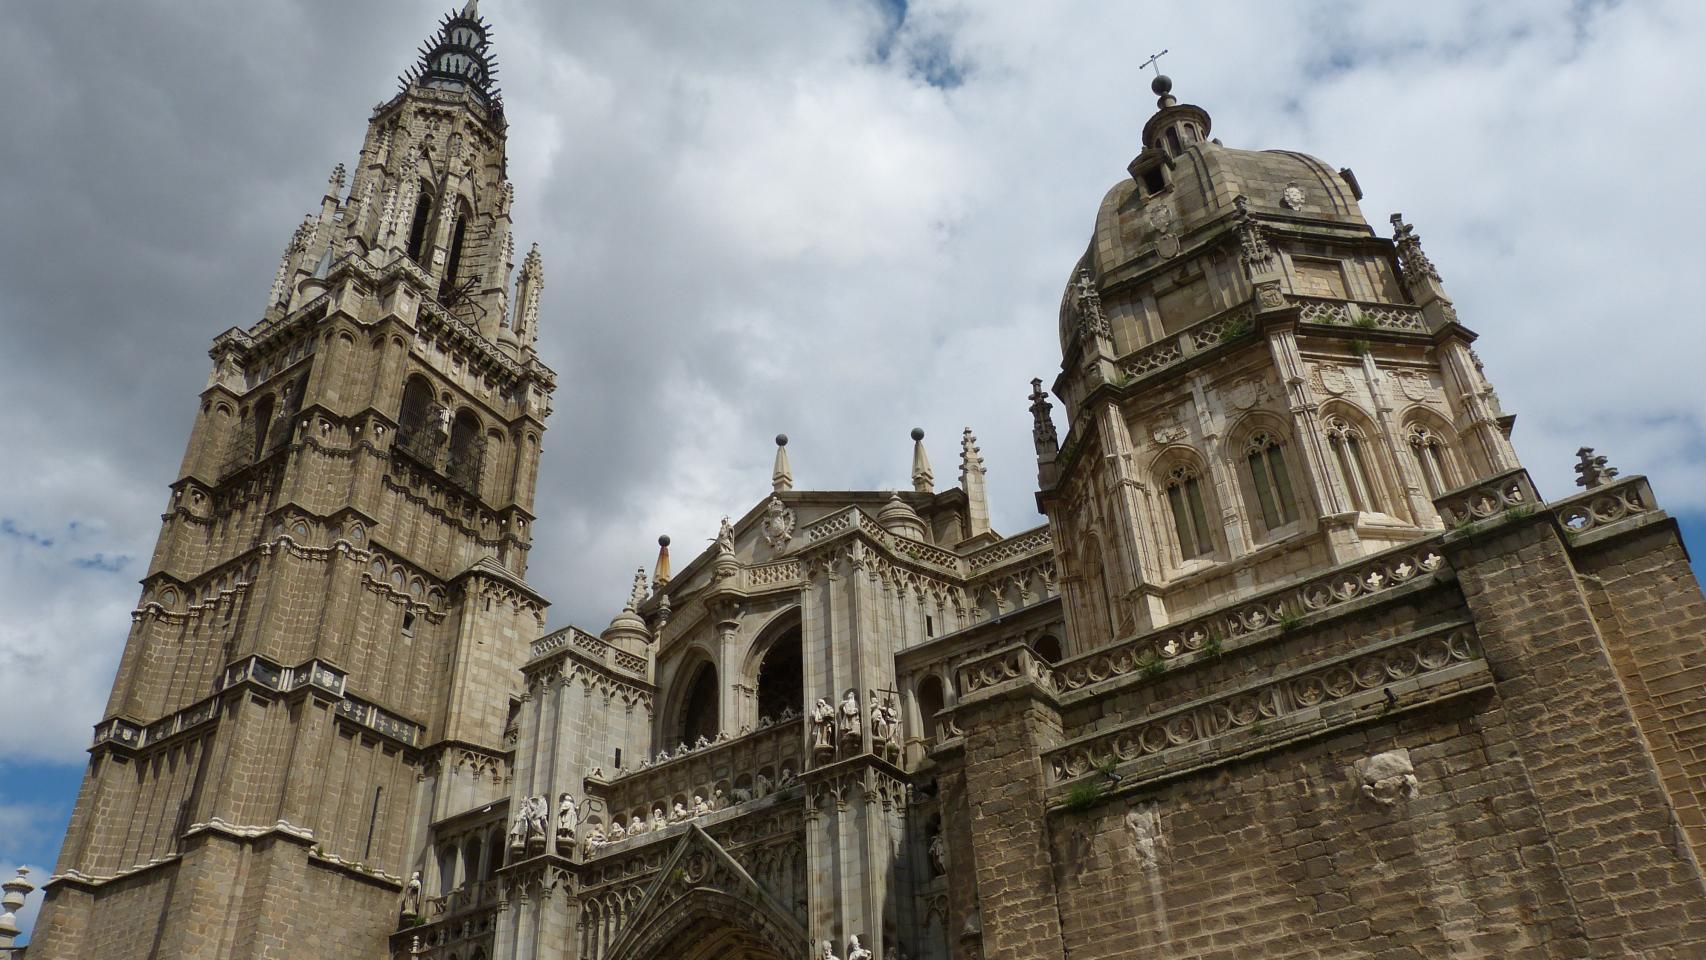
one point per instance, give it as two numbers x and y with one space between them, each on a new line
1289 620
1152 667
1364 322
1213 646
1240 327
1083 796
1360 347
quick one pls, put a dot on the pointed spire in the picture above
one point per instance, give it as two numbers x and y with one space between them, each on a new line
1042 422
459 56
923 478
660 573
527 290
971 481
640 591
782 475
335 182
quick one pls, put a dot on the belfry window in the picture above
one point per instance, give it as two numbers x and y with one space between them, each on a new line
1190 516
420 225
1350 454
1429 451
452 267
1266 458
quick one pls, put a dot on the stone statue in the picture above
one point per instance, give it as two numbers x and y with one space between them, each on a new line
594 840
827 952
1147 844
884 719
567 819
679 814
700 807
939 855
760 786
538 811
636 826
616 830
823 727
850 718
719 800
659 820
412 895
788 778
726 537
857 951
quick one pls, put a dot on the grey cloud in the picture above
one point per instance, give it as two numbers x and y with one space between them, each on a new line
753 222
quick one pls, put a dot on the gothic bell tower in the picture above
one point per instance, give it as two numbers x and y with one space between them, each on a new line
327 643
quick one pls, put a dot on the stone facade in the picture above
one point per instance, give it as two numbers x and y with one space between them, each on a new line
1301 665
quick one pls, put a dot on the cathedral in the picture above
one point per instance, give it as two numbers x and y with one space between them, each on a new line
1299 664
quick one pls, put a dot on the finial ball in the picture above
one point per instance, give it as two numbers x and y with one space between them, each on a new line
663 541
781 439
917 433
1162 85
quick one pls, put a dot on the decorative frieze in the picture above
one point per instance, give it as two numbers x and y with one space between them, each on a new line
1278 701
1369 577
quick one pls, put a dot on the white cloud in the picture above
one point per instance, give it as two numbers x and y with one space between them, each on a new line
754 223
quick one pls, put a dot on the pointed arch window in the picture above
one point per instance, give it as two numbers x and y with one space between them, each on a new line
1350 453
467 450
699 710
453 266
1265 457
421 224
1431 462
1190 514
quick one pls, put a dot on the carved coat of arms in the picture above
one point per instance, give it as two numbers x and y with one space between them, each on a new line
778 524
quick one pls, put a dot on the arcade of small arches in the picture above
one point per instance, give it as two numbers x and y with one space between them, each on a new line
769 685
425 424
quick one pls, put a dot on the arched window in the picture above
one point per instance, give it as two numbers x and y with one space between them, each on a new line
1048 647
416 411
471 858
262 424
781 677
1350 452
453 266
467 447
699 709
1265 456
421 224
931 700
1190 515
1429 451
447 879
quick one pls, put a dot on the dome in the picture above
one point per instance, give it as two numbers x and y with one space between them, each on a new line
898 517
1147 220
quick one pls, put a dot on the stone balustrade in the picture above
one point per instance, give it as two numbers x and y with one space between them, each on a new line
1603 505
1373 675
692 782
1486 499
1013 662
1280 608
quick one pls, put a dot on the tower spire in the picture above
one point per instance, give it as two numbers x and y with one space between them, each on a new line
459 56
923 478
782 475
971 481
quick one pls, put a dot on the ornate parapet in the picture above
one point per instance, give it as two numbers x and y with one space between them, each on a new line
1278 610
1599 508
264 677
1007 668
1366 684
1510 494
699 782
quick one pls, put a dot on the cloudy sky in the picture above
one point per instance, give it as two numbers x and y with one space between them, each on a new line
838 219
